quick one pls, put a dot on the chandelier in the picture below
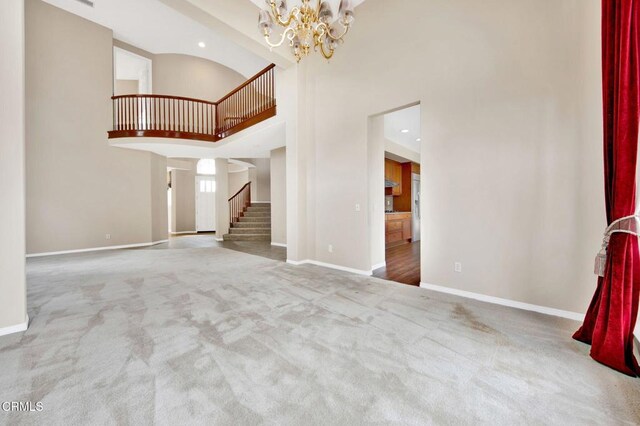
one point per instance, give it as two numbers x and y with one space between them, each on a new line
307 26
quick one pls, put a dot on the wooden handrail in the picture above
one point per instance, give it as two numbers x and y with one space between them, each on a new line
248 104
246 83
181 117
241 189
239 202
181 98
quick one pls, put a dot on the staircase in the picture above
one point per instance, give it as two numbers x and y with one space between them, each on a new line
253 224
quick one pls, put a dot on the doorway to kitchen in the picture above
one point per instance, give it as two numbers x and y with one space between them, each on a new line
396 137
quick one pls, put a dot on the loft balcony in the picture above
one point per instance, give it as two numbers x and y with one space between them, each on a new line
160 116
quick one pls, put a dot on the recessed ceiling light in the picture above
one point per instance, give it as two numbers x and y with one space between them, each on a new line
418 140
405 131
202 44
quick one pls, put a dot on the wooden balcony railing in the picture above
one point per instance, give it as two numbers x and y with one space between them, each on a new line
186 118
247 105
239 202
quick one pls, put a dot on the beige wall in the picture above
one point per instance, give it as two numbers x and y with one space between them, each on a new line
377 145
263 178
13 305
222 197
511 151
184 199
159 202
188 76
79 189
278 187
237 180
125 87
260 177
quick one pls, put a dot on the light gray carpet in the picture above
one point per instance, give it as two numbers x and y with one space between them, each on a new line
214 336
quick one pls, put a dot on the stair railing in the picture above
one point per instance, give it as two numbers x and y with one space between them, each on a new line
239 203
163 116
248 104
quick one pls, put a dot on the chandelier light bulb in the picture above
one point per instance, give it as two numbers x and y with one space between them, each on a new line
326 14
265 22
346 11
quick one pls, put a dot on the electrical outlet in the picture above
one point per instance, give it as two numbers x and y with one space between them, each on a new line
330 248
357 207
107 237
457 267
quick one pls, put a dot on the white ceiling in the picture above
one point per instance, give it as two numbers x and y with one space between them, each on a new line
157 28
404 119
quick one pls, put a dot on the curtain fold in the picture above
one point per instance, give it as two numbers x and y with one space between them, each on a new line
611 317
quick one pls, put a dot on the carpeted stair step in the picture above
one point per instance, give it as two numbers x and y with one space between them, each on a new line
259 209
261 205
256 214
247 237
264 224
256 231
263 219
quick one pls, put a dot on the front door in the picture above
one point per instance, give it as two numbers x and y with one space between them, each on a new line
205 203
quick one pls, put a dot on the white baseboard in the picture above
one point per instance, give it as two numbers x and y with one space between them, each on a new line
15 328
505 302
262 202
219 239
279 245
127 246
329 265
379 265
183 232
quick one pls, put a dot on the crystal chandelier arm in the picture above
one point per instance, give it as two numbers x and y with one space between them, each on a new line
323 29
326 55
288 33
338 38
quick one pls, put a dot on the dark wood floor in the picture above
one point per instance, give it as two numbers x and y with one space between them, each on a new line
403 264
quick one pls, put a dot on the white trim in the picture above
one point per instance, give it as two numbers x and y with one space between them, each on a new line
184 232
505 302
219 239
279 245
329 265
56 253
261 202
15 328
378 266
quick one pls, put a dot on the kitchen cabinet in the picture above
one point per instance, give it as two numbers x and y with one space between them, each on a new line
393 172
397 228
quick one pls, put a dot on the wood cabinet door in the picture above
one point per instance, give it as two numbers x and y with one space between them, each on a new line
394 226
394 237
388 169
397 178
406 229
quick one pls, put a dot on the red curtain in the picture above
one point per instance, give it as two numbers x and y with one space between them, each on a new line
611 317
